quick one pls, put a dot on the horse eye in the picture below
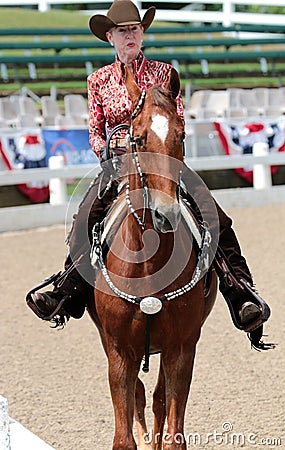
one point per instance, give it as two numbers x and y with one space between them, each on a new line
182 138
139 141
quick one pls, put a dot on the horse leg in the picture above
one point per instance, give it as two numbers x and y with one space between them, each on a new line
140 403
123 372
178 368
159 410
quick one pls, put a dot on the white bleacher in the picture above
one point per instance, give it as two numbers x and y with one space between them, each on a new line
236 102
21 111
76 107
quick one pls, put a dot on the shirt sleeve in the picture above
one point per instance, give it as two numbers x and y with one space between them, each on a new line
180 107
97 122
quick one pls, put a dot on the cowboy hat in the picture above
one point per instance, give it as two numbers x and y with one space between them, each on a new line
122 12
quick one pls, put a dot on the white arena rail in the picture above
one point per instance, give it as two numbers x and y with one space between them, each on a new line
13 436
61 212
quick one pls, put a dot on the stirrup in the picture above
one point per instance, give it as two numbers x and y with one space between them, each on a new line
31 303
252 295
264 308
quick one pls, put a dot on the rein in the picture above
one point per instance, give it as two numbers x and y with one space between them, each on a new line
134 142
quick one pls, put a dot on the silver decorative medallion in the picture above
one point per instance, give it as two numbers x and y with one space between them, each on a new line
150 305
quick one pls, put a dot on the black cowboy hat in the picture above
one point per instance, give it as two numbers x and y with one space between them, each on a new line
122 12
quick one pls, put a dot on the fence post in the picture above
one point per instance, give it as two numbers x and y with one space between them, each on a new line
228 9
261 172
43 5
4 425
57 186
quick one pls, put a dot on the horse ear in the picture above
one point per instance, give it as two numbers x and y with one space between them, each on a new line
174 83
132 87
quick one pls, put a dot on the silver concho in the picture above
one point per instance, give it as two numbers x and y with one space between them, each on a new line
150 305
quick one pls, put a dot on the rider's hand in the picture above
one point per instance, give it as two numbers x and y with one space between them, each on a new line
103 154
111 163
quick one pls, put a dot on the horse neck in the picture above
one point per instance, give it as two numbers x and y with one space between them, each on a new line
153 247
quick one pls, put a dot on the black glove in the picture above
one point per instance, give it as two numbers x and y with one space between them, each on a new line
107 161
103 153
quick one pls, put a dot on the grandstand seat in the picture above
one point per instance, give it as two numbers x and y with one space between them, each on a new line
211 114
69 121
234 97
261 96
8 112
247 98
236 112
217 102
256 111
3 124
50 109
28 121
76 105
275 97
273 111
29 108
203 139
254 100
14 98
197 103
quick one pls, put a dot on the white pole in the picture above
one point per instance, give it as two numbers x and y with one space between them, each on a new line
43 5
228 8
261 172
57 186
4 425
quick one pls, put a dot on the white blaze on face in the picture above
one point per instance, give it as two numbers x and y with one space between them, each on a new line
160 126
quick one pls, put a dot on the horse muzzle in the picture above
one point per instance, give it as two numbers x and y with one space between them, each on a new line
166 218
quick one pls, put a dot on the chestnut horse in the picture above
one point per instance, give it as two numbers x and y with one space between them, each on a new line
149 294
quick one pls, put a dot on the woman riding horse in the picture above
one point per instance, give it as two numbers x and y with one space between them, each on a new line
109 106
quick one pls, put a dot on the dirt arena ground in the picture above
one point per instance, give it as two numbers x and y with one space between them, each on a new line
56 381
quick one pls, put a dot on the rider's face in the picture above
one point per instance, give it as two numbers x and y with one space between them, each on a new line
127 41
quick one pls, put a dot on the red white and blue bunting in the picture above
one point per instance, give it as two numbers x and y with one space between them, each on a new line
238 139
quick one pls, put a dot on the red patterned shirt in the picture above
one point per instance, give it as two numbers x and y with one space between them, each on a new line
108 100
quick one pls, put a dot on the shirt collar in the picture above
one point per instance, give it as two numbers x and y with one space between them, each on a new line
138 65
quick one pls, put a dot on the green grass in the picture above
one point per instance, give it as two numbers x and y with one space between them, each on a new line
26 18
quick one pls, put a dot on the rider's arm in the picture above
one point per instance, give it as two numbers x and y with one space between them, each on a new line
97 122
180 107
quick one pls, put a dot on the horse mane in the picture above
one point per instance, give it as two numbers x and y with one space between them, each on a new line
162 97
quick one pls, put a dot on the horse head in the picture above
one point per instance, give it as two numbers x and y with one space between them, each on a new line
156 146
